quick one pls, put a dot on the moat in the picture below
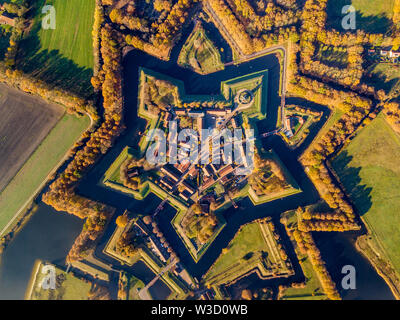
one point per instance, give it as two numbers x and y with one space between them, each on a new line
49 235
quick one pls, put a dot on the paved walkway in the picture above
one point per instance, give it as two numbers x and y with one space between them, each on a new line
143 293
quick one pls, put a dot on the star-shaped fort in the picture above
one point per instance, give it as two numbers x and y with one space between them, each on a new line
214 149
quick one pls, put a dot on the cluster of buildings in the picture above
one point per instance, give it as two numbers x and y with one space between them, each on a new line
183 175
385 55
171 177
214 173
159 248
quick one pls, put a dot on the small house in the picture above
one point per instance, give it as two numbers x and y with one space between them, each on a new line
5 18
384 53
394 54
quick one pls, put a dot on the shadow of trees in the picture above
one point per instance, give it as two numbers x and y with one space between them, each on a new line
351 180
4 42
52 67
379 79
379 23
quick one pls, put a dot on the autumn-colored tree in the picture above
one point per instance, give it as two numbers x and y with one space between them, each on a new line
246 294
122 221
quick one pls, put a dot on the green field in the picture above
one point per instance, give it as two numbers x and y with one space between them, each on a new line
63 56
254 248
248 240
47 156
372 16
200 54
134 286
369 168
68 286
384 76
332 56
73 34
312 289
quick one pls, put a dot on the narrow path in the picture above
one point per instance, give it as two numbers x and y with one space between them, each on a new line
143 293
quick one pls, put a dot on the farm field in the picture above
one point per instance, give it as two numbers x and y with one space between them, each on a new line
63 56
45 158
369 168
25 122
371 15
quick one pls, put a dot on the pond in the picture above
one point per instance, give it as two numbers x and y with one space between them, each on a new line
48 236
338 250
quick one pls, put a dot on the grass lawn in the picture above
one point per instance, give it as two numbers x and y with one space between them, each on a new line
256 82
333 56
254 248
371 15
63 56
68 287
200 53
312 289
248 240
384 76
369 168
47 156
134 287
73 34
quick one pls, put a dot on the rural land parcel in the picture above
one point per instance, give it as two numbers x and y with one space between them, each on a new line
34 138
369 168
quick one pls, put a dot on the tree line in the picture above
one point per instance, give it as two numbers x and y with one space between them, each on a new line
306 246
61 194
154 37
355 109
